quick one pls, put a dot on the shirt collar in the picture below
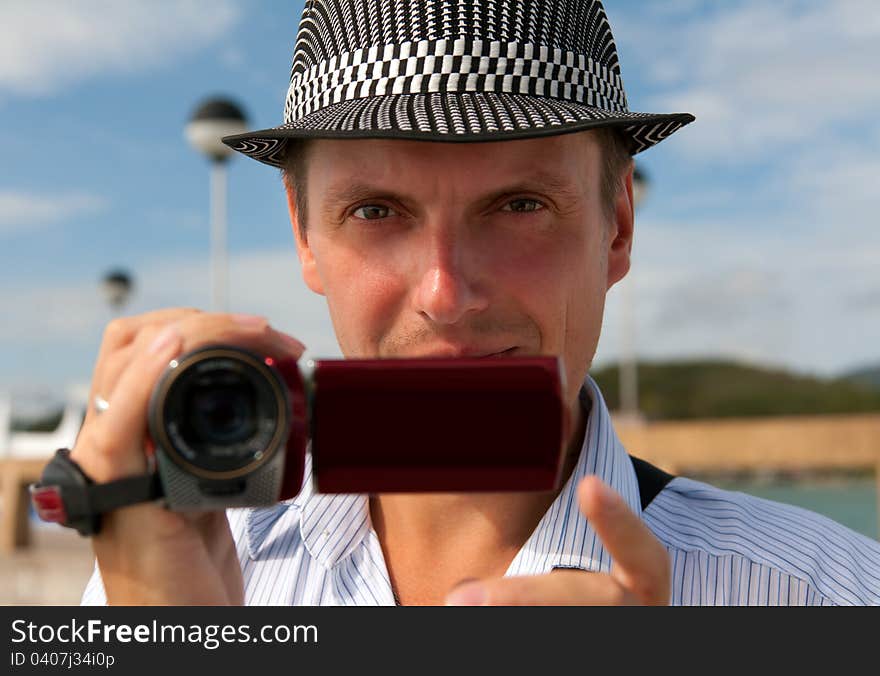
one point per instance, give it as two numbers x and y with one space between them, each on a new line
564 538
332 526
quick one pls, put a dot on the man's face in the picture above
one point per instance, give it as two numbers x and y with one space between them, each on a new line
464 249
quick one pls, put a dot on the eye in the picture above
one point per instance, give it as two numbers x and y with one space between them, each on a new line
523 205
372 212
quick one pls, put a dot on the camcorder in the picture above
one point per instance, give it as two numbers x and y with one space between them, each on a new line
232 428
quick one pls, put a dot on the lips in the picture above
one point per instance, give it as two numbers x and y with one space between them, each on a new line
504 353
468 352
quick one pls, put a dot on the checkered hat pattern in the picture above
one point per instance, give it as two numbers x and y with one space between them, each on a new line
454 70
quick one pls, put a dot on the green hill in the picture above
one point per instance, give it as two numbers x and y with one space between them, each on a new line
869 377
722 389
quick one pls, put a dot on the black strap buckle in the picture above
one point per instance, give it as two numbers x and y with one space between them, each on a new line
68 496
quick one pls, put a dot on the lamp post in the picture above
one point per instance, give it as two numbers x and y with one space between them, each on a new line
117 286
628 371
213 119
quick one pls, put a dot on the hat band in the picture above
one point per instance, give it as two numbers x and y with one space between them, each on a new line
462 65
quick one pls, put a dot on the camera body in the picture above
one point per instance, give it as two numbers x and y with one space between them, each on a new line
229 429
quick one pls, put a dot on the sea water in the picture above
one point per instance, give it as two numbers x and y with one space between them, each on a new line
848 500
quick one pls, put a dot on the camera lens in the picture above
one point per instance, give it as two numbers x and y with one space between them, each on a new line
220 410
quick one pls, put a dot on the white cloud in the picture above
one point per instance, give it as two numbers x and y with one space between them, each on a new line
270 283
47 45
25 210
775 256
233 58
763 76
50 334
839 185
266 283
51 314
728 296
802 299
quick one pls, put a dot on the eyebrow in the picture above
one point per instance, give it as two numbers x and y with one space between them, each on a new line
540 181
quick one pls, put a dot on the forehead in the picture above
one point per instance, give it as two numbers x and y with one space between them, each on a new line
569 157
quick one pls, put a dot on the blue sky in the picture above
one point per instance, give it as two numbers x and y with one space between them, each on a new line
758 239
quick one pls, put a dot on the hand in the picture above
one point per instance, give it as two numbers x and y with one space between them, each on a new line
640 571
147 554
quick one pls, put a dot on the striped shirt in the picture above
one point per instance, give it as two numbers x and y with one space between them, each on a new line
726 548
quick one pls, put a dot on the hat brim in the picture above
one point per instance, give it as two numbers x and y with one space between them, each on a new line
466 117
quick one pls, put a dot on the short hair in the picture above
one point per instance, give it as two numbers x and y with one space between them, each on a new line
616 159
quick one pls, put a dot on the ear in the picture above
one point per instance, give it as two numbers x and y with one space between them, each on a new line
620 234
303 250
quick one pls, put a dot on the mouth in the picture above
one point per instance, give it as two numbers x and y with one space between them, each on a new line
468 352
504 353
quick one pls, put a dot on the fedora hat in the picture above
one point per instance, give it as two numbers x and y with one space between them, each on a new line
454 70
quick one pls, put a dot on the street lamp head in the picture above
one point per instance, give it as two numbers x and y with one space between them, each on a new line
213 119
640 186
116 286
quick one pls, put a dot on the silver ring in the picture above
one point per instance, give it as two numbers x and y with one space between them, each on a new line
101 404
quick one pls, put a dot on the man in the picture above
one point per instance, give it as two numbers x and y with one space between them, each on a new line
460 183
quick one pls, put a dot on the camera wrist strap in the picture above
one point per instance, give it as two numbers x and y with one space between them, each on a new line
123 492
66 495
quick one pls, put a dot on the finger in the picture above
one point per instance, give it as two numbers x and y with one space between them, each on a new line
124 330
278 343
108 372
559 588
119 336
246 331
113 446
640 562
203 325
119 433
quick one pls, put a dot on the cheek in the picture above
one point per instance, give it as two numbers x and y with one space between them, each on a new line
560 285
550 276
585 307
363 297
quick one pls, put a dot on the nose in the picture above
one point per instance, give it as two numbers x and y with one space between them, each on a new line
450 283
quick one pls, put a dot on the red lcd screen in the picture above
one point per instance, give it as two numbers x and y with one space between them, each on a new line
440 424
